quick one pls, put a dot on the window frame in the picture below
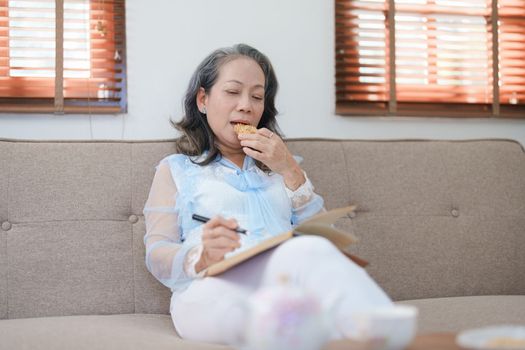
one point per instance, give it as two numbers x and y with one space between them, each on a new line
58 104
392 106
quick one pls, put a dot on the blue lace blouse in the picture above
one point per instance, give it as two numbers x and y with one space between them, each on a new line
260 202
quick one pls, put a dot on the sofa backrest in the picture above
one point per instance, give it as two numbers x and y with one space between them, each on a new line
435 219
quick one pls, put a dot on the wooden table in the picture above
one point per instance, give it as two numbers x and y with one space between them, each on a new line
434 341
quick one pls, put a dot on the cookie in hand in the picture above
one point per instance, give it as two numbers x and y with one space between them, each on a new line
240 128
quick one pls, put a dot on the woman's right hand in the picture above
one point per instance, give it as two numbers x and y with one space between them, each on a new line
218 238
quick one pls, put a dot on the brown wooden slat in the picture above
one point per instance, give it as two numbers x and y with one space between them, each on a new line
361 88
72 82
508 89
420 90
342 58
28 93
363 97
426 9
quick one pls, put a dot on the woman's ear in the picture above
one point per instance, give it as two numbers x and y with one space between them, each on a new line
201 100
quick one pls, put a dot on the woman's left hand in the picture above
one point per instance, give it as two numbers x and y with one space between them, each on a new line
270 149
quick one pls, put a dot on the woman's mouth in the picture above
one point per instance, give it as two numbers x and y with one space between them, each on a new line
240 121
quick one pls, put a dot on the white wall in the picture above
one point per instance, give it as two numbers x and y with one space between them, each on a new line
297 35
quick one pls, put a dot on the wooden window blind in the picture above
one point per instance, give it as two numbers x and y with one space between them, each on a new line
430 58
62 56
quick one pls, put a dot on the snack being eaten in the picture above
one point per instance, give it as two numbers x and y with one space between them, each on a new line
240 128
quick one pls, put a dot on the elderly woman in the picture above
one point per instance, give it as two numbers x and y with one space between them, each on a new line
239 180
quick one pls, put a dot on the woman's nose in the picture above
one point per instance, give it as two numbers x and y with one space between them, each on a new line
244 103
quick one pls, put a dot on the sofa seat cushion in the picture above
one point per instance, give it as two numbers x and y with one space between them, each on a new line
459 313
127 332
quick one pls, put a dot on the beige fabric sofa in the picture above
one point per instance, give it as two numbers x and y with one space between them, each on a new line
442 223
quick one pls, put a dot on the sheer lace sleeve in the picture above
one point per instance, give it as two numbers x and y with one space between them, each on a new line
165 253
305 202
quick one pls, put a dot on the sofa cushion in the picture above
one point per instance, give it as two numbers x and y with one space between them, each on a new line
145 156
325 163
69 181
150 331
151 297
459 313
434 256
434 218
5 149
127 332
69 268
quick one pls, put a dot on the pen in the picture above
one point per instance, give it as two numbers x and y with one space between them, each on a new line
205 219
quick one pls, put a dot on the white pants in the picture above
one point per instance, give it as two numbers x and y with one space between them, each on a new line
211 309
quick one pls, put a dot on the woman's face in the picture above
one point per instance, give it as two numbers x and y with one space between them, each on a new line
236 97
